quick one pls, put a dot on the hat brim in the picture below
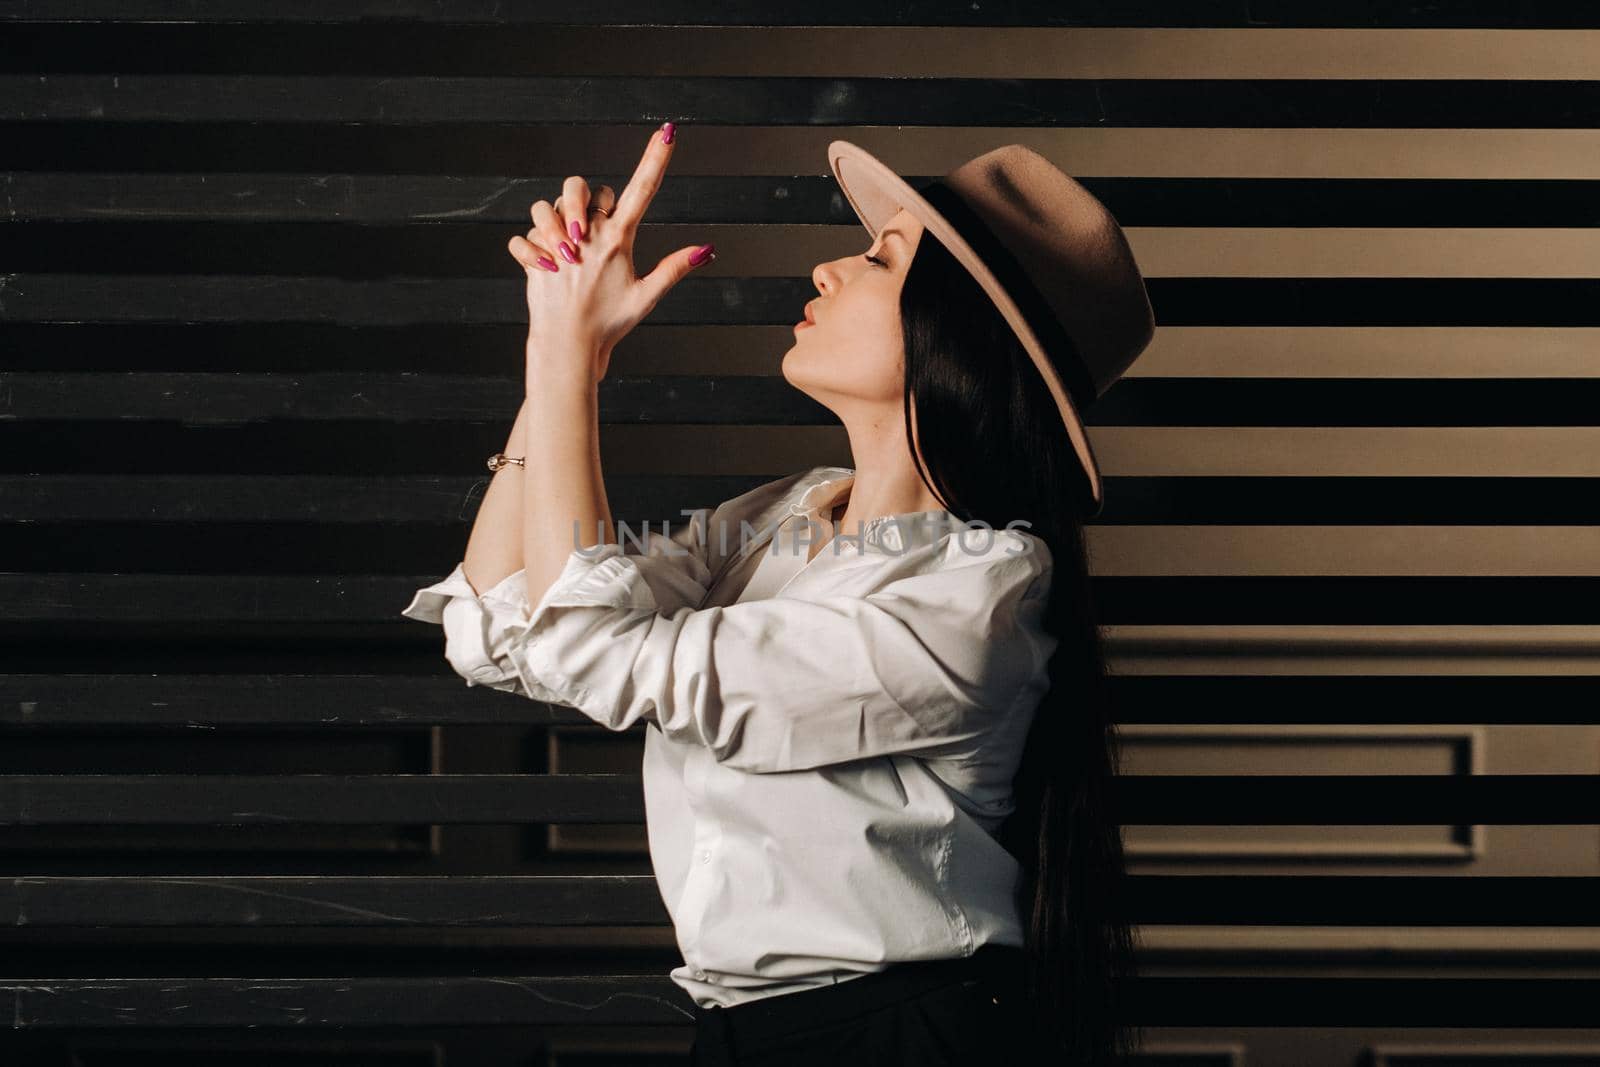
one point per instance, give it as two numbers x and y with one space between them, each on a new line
876 193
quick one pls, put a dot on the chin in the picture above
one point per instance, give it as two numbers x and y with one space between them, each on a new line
794 371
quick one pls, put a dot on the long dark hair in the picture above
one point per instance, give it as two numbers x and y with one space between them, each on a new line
994 449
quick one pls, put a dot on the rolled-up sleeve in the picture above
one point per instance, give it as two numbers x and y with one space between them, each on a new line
480 628
925 665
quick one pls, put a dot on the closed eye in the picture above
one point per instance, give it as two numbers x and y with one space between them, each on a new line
875 259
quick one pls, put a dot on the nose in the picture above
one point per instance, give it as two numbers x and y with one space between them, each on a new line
819 277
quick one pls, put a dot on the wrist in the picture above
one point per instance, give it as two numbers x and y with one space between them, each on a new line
543 377
562 349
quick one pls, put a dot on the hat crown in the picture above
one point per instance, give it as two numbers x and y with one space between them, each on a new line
1072 250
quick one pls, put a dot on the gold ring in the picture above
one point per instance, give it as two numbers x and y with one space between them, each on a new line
603 211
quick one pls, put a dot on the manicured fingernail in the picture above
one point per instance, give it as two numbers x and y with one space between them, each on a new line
701 254
547 263
567 253
668 131
576 231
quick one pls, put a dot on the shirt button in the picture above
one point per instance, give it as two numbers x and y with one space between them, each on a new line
705 855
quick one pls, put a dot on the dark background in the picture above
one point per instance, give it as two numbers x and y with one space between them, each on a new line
259 330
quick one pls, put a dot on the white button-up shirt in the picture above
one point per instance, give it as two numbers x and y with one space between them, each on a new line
829 742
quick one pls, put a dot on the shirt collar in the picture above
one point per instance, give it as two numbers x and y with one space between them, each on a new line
896 533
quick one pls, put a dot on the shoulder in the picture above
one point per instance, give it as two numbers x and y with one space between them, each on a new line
1010 550
969 571
995 578
999 586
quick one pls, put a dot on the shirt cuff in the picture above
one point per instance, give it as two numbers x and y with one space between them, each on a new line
494 635
606 577
428 603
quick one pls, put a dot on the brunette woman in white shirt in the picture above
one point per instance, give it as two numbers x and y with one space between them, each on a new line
915 860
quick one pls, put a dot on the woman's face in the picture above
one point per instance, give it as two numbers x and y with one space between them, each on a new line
855 352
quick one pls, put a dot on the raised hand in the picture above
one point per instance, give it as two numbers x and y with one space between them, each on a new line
580 306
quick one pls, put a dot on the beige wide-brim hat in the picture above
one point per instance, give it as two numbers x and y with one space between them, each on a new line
1048 253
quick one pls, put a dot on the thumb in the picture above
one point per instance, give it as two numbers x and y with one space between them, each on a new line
674 268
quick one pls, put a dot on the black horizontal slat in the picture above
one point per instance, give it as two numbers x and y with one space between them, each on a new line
200 399
1345 600
214 599
1357 799
1430 999
1355 103
324 447
296 348
1323 402
210 598
326 901
400 198
303 1003
769 399
200 298
1405 899
1375 301
1205 1000
1345 202
1131 500
351 701
329 499
391 302
460 151
396 199
476 251
155 900
362 800
1284 699
396 48
452 151
1520 14
320 800
339 701
1349 500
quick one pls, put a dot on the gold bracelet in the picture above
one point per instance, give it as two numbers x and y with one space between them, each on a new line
500 459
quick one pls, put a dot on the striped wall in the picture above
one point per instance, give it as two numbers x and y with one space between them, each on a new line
258 330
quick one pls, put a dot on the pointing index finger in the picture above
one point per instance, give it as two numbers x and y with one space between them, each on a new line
647 176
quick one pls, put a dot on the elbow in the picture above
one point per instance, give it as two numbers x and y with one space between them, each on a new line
472 666
472 647
469 647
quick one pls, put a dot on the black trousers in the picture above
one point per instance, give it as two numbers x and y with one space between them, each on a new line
929 1013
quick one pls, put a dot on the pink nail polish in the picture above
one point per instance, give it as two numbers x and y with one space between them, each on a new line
547 263
567 253
573 228
668 132
701 254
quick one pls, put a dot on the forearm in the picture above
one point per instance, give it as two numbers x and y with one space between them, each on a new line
563 492
494 547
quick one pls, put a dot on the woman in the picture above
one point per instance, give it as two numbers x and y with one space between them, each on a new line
878 745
